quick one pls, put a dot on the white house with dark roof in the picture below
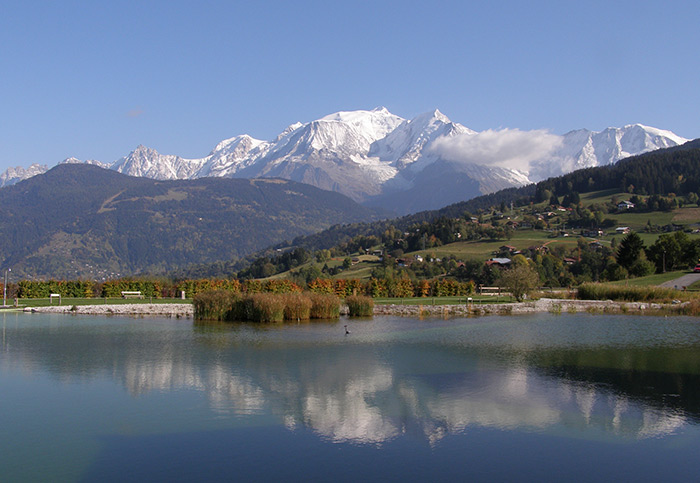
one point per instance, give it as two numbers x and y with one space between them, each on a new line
625 205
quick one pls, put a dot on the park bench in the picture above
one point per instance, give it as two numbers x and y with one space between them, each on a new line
132 294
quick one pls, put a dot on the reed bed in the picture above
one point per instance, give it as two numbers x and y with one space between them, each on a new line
604 291
360 306
297 307
262 307
324 306
215 305
223 305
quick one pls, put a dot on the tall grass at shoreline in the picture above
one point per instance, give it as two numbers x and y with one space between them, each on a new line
605 291
360 306
297 307
223 305
215 305
324 306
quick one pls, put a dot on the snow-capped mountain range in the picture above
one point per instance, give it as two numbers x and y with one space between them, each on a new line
381 159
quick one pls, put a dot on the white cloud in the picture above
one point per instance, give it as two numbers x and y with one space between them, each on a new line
507 148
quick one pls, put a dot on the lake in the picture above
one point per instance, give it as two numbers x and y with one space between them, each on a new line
575 397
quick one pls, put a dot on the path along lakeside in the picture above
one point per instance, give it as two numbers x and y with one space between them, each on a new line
535 306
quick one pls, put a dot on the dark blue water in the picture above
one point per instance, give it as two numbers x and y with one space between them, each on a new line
528 398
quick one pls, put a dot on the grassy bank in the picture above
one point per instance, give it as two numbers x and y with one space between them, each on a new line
655 279
43 302
607 291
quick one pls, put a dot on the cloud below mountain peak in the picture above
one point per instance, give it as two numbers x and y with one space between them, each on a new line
505 148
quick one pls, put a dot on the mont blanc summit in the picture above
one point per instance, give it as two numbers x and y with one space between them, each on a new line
405 165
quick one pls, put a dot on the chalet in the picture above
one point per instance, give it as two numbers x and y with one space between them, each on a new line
501 262
622 230
595 245
569 261
625 205
508 248
593 233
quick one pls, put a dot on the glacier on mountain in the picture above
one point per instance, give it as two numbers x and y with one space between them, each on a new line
405 165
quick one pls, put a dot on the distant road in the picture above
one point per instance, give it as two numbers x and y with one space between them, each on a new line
683 281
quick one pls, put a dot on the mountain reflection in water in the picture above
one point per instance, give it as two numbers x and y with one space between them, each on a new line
393 377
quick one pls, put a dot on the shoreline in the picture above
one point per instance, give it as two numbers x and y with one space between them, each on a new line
156 310
542 305
537 306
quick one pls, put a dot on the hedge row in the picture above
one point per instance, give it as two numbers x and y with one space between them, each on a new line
114 288
157 288
43 289
392 288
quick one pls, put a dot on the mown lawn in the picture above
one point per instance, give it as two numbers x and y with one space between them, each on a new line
638 221
603 196
97 301
655 279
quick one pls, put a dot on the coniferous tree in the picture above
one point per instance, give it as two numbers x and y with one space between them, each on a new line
629 250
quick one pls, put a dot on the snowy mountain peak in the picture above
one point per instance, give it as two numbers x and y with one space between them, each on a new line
16 174
584 149
407 143
372 125
290 129
431 116
243 143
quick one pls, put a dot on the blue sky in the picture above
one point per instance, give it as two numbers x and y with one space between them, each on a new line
95 79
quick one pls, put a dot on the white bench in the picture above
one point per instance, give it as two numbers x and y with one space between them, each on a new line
131 294
493 291
54 296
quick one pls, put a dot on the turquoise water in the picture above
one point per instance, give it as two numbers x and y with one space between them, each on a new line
528 398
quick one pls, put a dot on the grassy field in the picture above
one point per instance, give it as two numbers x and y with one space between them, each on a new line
637 221
603 196
483 250
98 301
656 279
694 286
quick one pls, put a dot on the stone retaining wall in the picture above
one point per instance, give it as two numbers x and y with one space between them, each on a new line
541 305
158 310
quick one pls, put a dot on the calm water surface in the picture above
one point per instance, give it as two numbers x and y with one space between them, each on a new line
527 398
